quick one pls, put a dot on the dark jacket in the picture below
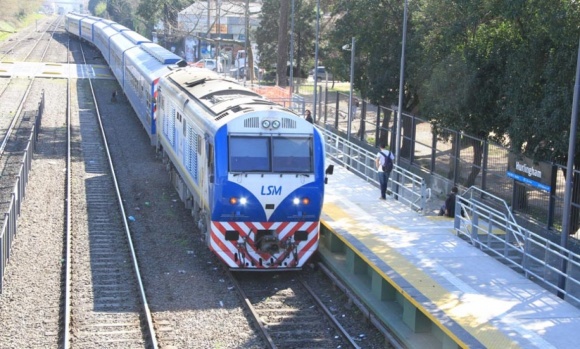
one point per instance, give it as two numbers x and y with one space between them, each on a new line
450 205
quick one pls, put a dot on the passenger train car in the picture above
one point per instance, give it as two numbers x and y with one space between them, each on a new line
136 62
251 171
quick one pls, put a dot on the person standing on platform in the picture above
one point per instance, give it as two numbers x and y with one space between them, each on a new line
448 209
384 164
353 109
308 116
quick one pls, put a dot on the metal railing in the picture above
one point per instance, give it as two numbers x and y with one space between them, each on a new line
448 157
486 221
8 232
404 185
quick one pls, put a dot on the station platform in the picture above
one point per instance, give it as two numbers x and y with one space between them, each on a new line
430 287
55 70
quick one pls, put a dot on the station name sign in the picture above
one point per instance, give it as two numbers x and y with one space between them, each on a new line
525 170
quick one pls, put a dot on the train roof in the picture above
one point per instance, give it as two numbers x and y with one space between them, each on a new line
107 21
77 15
88 20
121 44
105 32
148 66
222 96
119 27
135 38
161 54
101 20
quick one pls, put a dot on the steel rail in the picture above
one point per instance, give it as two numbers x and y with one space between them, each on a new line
145 304
68 247
329 315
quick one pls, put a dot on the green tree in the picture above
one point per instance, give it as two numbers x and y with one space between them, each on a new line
378 34
304 36
378 46
267 33
100 9
539 83
304 33
464 45
153 11
500 70
283 44
539 77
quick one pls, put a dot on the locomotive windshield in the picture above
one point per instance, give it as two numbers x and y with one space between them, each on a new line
270 154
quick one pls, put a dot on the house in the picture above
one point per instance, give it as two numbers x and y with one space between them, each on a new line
209 30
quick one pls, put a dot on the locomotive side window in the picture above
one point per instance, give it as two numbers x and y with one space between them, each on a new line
292 154
249 154
210 162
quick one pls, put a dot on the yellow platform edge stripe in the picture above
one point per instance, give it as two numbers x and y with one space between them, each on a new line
486 333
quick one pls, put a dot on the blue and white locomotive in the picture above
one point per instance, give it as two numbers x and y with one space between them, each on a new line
251 171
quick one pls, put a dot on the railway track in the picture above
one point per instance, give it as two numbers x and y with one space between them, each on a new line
15 121
105 309
26 45
288 313
105 304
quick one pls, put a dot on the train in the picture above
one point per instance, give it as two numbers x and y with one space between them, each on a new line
252 172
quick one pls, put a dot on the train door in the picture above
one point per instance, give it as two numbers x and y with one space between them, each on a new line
179 136
208 182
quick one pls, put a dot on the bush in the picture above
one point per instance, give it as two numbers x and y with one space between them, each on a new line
269 77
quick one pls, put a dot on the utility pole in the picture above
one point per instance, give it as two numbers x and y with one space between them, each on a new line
314 76
350 97
401 87
292 53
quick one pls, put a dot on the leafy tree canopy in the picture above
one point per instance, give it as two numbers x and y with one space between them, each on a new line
503 70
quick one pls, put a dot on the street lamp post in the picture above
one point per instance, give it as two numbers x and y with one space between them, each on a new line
350 116
292 53
569 178
314 107
401 80
246 40
218 31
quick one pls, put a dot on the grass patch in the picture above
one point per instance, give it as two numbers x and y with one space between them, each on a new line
9 27
343 87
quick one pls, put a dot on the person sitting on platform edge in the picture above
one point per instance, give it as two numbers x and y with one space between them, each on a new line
384 164
448 209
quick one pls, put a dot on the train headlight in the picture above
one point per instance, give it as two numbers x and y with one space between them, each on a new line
265 123
276 124
303 201
235 201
